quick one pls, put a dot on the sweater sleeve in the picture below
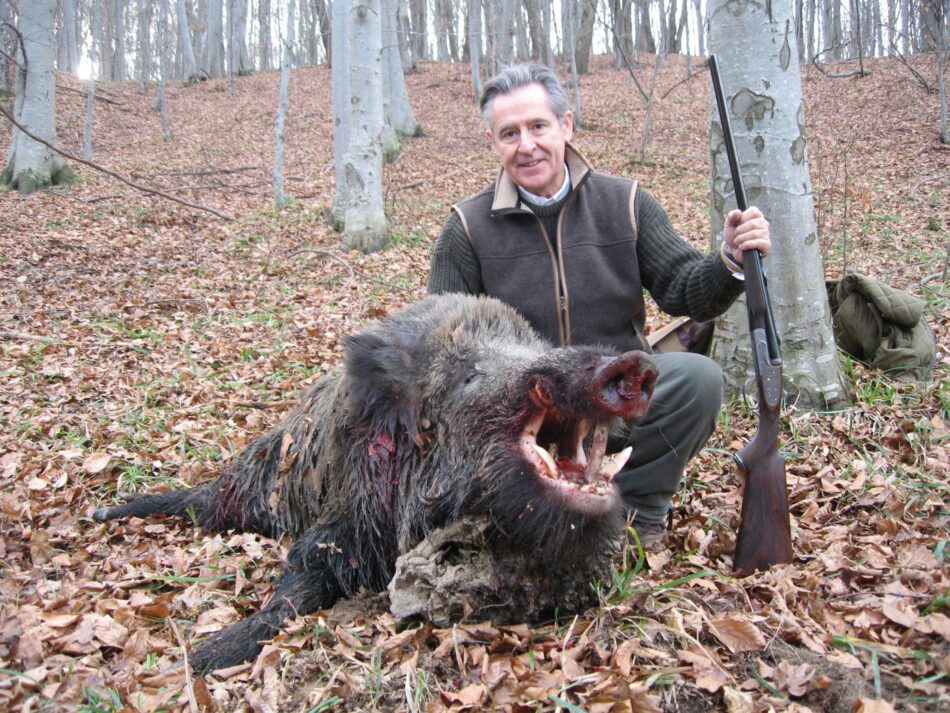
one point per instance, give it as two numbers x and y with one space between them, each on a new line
454 266
681 279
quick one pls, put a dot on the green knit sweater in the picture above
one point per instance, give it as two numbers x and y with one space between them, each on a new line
680 279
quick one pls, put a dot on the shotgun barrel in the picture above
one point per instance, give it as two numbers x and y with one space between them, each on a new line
765 536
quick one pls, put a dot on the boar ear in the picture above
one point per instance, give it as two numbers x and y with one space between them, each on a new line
384 374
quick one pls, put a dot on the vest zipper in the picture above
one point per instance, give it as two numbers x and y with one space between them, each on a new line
559 286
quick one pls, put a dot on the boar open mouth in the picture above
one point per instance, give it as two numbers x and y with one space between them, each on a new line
555 447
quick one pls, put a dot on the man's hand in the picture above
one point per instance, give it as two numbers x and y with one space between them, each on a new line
747 230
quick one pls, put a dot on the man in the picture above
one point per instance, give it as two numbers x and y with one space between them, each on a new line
573 249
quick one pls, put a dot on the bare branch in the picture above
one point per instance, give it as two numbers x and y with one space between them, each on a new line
26 337
114 175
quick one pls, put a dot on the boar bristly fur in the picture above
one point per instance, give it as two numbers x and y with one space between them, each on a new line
449 408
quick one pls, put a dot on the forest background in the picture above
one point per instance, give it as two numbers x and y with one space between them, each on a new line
144 341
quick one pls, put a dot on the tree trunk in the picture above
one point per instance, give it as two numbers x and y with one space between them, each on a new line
837 38
522 46
264 36
285 56
239 60
570 43
504 53
441 32
162 41
339 61
585 33
213 55
548 57
399 114
532 9
106 42
144 42
762 83
95 53
475 45
698 8
418 10
404 24
645 41
32 165
810 41
69 30
119 64
190 66
934 15
365 222
323 17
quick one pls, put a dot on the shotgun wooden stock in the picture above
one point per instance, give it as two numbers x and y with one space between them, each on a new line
765 536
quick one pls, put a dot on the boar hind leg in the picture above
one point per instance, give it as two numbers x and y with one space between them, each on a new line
297 593
177 502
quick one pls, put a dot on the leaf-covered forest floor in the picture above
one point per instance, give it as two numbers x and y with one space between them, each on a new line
143 342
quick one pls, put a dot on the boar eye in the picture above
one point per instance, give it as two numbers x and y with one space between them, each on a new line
470 377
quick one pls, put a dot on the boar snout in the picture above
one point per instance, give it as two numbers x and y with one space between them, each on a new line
623 385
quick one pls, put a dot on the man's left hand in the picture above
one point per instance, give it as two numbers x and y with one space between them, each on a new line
748 230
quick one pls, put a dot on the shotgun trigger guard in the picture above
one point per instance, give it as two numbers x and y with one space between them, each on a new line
770 375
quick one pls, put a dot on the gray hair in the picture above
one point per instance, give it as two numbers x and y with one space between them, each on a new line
518 76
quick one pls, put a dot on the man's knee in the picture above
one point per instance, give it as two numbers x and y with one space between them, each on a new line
690 382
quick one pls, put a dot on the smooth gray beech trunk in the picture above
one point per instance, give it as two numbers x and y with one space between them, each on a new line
762 84
189 63
504 23
264 37
339 61
475 45
213 55
119 60
143 42
399 116
32 165
163 52
548 58
570 46
365 227
286 53
239 61
95 53
404 25
69 30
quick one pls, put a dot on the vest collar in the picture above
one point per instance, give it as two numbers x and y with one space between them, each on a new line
506 191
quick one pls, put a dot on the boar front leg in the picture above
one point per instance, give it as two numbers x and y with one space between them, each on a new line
309 584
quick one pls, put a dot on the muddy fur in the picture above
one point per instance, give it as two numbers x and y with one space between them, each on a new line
419 429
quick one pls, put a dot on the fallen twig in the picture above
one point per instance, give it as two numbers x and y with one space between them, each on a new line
26 337
108 172
262 405
189 687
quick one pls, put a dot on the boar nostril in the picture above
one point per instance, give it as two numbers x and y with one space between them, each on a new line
624 385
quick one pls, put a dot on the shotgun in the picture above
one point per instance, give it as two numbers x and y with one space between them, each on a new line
765 536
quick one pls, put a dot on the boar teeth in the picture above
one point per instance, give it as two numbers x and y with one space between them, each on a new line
598 447
548 461
613 463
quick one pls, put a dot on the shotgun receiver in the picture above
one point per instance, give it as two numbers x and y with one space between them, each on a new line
765 536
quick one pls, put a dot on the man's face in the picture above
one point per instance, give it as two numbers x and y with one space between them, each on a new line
528 139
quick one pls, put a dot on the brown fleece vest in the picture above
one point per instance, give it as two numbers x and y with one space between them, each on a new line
587 290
